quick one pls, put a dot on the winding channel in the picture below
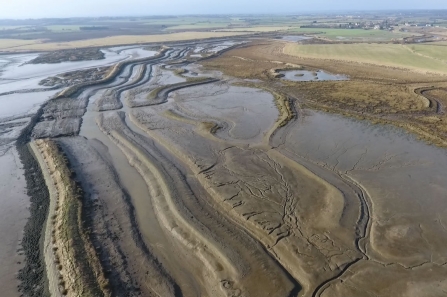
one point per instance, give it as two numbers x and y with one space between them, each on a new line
129 177
153 173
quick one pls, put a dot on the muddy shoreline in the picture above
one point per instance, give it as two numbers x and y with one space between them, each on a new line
32 276
218 186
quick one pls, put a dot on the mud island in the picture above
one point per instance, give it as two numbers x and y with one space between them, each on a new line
251 163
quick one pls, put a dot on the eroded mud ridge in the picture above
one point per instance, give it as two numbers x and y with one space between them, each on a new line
169 180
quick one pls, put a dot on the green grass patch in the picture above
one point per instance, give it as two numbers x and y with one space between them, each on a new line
352 34
15 28
394 55
259 29
64 28
433 51
199 26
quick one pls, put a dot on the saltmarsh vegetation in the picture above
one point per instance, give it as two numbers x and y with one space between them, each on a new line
113 72
164 90
378 90
84 54
80 271
284 105
208 126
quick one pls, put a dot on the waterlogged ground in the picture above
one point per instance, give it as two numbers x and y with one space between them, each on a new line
295 38
20 98
403 180
248 113
305 75
20 92
206 195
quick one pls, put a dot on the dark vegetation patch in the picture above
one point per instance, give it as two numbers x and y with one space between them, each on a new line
89 28
60 117
83 272
85 54
75 77
32 277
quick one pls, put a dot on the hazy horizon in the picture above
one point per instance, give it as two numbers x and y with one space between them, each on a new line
21 9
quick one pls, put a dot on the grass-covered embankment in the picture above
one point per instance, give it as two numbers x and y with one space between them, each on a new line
80 271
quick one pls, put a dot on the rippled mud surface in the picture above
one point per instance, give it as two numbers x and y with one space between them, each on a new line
246 114
402 178
20 99
197 190
13 213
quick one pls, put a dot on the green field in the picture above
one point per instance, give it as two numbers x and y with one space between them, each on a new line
352 34
13 28
428 50
258 29
394 55
439 43
191 21
199 26
38 45
63 28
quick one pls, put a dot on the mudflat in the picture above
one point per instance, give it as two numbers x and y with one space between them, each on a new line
178 175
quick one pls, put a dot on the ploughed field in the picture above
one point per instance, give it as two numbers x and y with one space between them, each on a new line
167 178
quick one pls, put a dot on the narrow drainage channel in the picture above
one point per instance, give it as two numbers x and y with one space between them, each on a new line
152 233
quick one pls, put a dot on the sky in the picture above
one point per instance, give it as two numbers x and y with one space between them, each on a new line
94 8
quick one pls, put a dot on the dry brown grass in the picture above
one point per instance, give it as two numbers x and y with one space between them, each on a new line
360 96
81 270
376 93
241 67
272 51
38 45
13 44
440 94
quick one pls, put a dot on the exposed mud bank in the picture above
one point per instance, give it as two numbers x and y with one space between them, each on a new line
14 213
111 222
77 270
69 55
32 276
227 267
224 187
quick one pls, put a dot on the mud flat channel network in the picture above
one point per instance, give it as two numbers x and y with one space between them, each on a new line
213 186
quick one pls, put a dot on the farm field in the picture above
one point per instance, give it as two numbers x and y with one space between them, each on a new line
63 28
258 29
393 55
438 51
352 34
37 45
